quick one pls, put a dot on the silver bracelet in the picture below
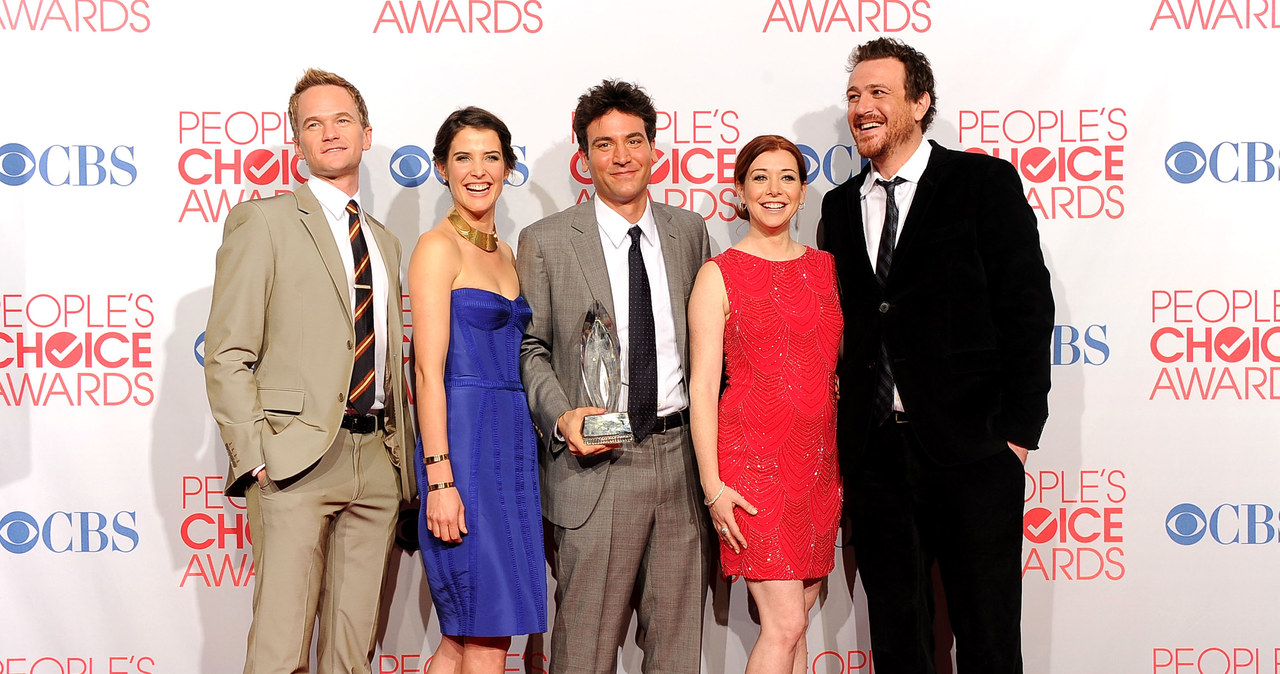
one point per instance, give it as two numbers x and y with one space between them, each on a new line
716 497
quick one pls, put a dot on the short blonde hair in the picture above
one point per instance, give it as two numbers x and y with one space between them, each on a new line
314 77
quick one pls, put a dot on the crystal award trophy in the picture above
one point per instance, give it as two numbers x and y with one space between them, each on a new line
602 376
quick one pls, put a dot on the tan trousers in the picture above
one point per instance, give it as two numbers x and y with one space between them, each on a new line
321 541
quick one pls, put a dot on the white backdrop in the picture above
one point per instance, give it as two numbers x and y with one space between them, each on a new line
1145 132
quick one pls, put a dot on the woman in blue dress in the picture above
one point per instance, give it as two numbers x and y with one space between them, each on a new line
481 522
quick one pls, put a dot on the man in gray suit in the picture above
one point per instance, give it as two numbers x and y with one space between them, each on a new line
626 519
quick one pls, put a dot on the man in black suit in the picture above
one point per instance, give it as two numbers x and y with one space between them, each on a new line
945 372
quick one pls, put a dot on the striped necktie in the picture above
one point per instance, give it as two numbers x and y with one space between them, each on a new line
363 371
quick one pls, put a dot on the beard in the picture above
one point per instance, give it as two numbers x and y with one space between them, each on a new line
898 132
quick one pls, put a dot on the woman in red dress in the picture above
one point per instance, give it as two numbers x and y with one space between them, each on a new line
768 310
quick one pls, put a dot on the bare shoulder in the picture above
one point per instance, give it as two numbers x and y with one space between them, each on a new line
436 246
504 249
709 279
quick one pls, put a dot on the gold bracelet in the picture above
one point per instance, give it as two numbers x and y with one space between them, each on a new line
428 460
438 486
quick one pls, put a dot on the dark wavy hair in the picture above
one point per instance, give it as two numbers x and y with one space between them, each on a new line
751 151
472 117
608 96
919 72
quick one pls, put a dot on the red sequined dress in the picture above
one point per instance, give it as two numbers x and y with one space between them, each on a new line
777 433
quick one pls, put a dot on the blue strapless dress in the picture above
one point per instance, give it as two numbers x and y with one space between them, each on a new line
494 582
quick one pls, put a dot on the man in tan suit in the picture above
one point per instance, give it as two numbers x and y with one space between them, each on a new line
303 372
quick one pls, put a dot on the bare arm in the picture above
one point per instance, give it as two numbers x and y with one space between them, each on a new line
708 309
432 269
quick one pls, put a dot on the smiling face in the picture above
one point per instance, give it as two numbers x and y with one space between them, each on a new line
330 137
773 190
620 158
475 170
885 123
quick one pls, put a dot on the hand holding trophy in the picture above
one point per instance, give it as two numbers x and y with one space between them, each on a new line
602 377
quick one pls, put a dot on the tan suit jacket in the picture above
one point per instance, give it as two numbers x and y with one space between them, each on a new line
279 344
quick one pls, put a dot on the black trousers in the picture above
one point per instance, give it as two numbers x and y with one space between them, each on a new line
906 512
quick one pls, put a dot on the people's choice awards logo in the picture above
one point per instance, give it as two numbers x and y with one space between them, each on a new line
695 152
1216 344
80 16
1216 15
459 17
229 157
76 350
1071 161
854 17
1074 525
215 530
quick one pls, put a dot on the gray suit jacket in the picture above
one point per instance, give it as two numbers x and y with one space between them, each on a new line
562 271
278 347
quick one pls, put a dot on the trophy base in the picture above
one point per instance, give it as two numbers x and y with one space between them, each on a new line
607 429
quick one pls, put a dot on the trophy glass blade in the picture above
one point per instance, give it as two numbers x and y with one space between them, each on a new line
601 369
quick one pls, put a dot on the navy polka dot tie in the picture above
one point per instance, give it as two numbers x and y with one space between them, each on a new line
642 361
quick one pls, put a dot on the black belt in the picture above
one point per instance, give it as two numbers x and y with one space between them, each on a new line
364 423
676 420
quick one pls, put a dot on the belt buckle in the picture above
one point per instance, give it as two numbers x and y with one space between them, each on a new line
900 417
361 423
670 421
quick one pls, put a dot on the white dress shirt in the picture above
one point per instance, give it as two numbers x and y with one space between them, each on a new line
333 202
875 201
617 245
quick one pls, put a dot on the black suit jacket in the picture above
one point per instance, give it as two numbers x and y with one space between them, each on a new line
966 313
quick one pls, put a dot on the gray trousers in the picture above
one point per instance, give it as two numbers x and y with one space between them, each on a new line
645 539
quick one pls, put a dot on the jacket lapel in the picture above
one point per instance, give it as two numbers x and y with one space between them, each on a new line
673 258
312 217
920 204
587 246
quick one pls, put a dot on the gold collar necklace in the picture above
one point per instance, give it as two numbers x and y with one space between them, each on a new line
482 240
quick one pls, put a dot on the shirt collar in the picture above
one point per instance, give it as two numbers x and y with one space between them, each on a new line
614 227
910 171
333 200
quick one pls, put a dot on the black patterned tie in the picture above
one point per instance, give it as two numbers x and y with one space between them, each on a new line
642 359
882 403
363 371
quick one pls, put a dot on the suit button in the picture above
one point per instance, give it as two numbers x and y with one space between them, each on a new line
342 397
871 365
348 345
884 307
